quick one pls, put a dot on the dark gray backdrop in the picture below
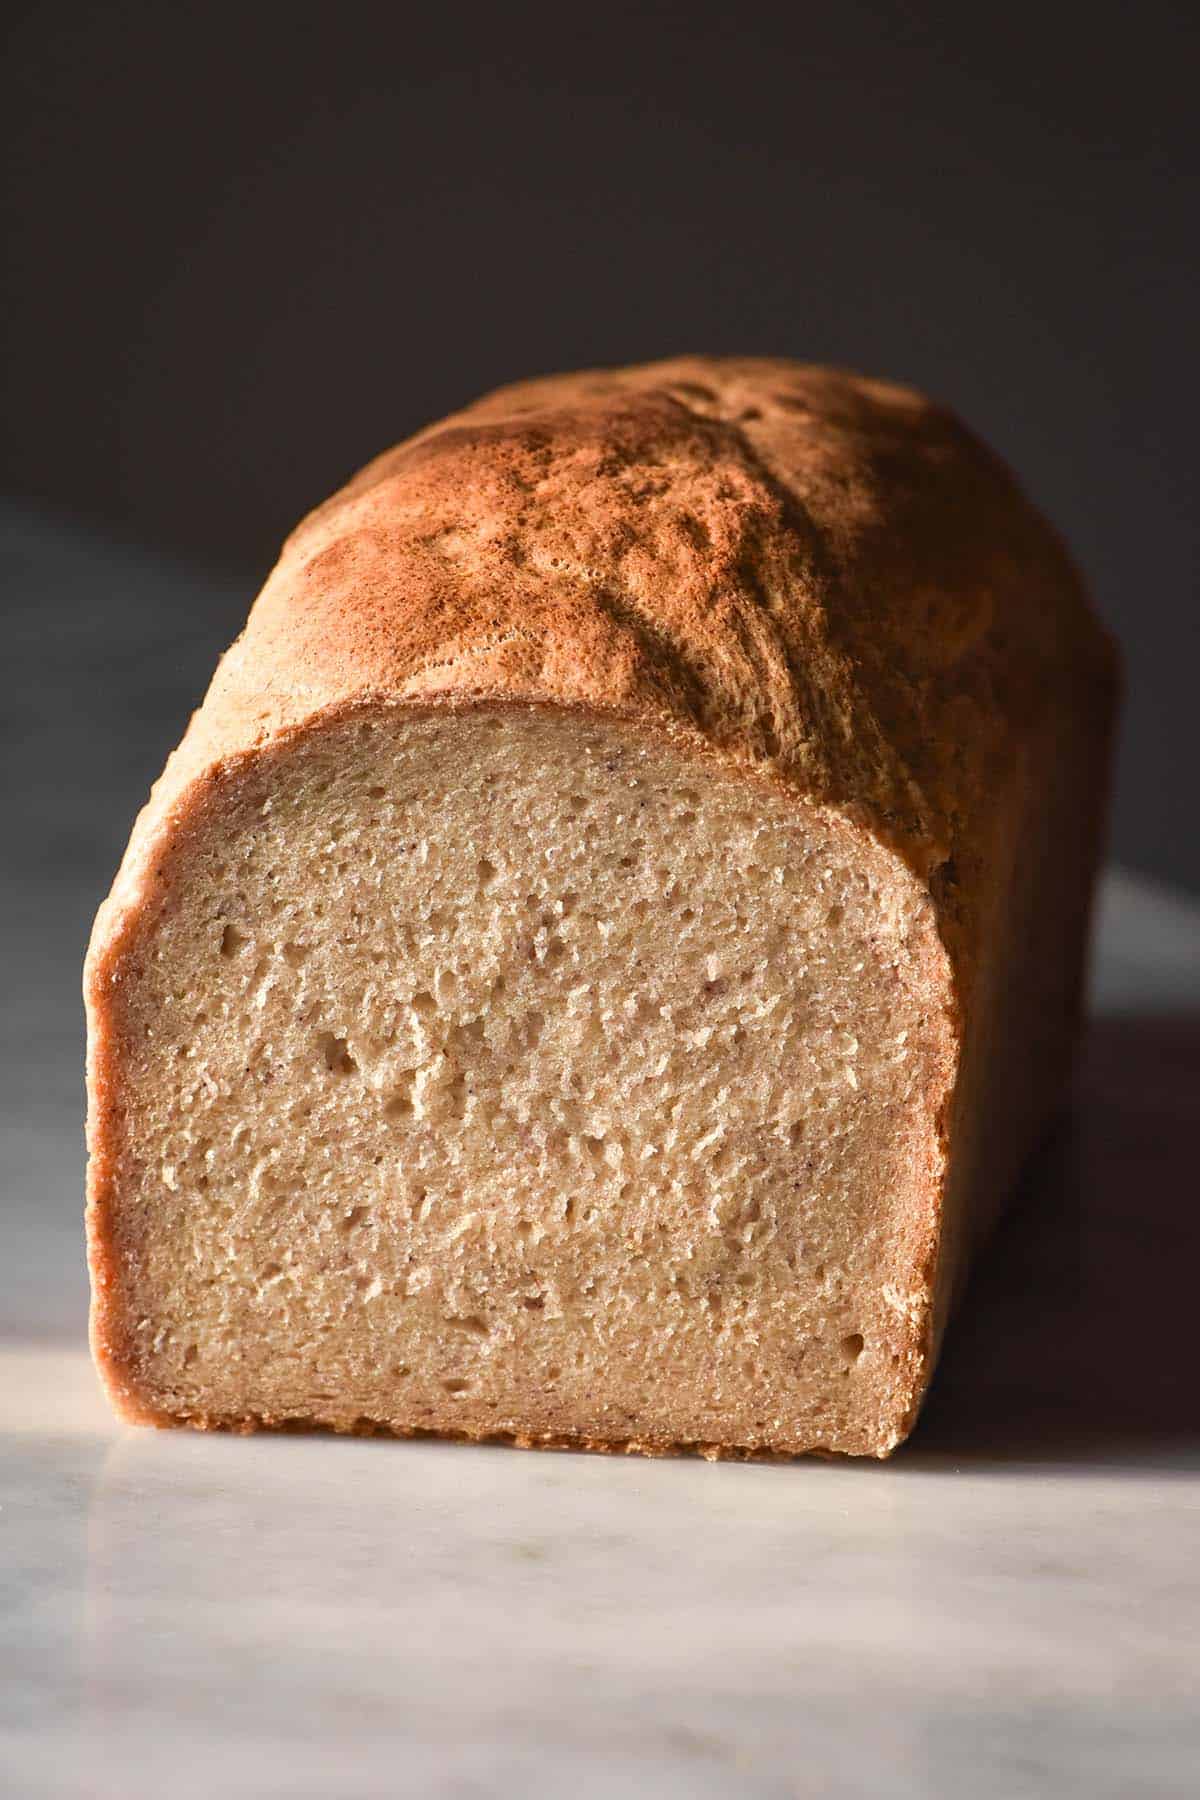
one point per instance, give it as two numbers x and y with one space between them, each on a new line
246 248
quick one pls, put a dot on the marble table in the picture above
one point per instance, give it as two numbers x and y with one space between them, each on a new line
1010 1607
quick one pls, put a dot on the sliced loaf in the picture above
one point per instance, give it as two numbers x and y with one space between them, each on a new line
602 950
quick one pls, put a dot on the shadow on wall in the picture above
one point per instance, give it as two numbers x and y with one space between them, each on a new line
1077 1338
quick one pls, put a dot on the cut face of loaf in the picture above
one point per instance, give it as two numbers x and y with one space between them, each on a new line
493 1074
601 952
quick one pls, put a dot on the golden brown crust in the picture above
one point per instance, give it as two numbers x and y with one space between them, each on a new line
805 570
823 580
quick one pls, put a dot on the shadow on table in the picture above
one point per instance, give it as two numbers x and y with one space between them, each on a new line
1077 1340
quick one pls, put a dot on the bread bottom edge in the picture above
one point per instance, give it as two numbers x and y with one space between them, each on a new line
133 1410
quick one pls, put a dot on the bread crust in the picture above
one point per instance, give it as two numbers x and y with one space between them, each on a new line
823 582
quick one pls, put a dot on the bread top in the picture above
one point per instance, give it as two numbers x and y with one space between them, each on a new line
823 578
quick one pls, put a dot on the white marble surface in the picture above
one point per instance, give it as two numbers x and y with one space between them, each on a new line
199 1617
1011 1607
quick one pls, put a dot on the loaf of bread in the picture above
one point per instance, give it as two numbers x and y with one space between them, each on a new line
597 960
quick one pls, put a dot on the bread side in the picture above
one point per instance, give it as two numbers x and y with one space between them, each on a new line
817 588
